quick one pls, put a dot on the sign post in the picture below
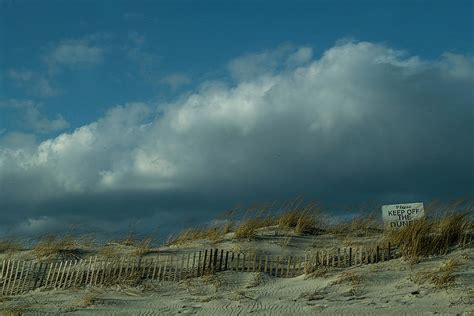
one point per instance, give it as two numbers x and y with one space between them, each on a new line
401 215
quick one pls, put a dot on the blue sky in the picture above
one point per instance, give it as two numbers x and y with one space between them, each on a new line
178 109
196 39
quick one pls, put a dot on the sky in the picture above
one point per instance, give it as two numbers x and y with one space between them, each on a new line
156 115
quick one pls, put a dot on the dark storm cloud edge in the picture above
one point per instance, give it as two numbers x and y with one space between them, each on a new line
362 123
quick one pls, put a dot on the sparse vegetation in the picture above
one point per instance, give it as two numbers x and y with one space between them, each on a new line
212 233
349 277
143 247
53 246
362 225
256 280
441 278
9 245
248 227
313 272
429 236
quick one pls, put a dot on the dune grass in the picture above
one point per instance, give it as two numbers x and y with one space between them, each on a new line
441 278
248 227
65 246
52 246
212 233
430 236
10 245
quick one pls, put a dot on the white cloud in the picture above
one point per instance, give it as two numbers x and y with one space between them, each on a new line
270 61
74 52
148 63
361 121
34 83
175 80
30 116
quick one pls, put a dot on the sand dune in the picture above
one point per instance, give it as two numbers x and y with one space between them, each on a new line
391 287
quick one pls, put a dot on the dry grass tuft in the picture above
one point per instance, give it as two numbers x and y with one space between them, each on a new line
360 226
215 280
441 278
213 233
89 299
426 237
349 277
302 220
110 251
9 245
248 227
143 247
313 272
53 246
256 280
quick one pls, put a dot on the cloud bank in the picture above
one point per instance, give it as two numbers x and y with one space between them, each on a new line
361 122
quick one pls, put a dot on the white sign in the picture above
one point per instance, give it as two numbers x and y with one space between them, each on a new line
400 215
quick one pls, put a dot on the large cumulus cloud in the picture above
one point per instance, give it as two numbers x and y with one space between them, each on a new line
361 121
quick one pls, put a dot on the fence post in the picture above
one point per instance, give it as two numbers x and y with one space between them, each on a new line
288 267
22 280
3 269
204 263
209 264
226 258
194 262
350 256
63 278
377 257
12 290
216 253
277 265
389 252
8 276
199 264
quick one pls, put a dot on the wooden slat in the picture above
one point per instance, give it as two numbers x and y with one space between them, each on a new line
294 272
194 264
5 279
132 270
93 271
17 277
282 266
58 273
29 273
188 262
68 274
204 263
198 273
63 273
87 271
181 268
50 271
155 266
288 267
175 268
4 262
77 272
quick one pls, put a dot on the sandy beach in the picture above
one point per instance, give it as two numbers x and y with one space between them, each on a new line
394 287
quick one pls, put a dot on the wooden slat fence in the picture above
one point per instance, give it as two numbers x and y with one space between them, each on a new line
20 276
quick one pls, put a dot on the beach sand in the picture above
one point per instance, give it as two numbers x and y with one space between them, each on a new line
394 287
